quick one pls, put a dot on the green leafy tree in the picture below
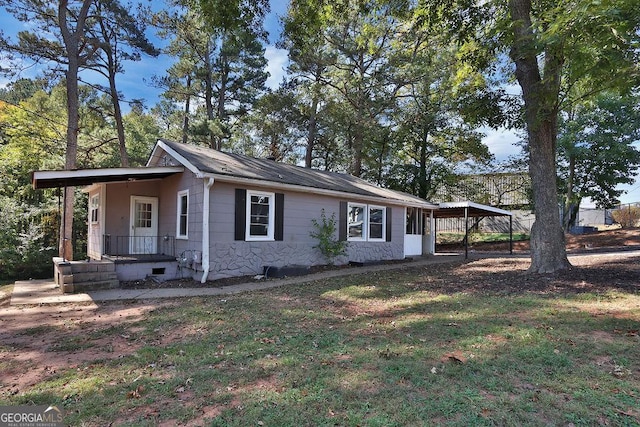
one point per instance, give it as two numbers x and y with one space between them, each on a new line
554 47
120 35
309 60
22 89
142 132
32 137
25 251
220 70
233 14
596 151
58 36
32 133
275 127
435 132
354 43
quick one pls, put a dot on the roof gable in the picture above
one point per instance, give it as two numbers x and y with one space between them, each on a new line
229 167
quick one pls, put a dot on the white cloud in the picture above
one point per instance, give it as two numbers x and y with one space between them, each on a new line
277 64
501 142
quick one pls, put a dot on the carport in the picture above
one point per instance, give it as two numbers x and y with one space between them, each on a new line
468 210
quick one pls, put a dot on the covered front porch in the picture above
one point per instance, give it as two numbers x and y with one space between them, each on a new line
125 239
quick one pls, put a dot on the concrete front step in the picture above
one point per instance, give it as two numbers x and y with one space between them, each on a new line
92 267
94 276
84 276
98 285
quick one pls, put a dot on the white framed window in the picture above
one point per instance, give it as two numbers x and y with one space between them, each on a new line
356 222
260 223
182 216
94 209
366 223
377 223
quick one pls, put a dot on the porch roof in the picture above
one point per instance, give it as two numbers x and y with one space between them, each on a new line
474 210
81 177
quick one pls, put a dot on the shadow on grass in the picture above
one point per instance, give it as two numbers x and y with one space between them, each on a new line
376 350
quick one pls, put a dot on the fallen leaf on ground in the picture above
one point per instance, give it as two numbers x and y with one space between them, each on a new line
455 356
135 394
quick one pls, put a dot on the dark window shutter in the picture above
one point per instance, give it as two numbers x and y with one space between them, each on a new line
342 222
389 224
278 232
241 214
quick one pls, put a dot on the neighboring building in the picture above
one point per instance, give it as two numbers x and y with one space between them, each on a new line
593 217
223 215
508 191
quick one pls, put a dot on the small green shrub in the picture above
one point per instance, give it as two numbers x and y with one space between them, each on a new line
325 232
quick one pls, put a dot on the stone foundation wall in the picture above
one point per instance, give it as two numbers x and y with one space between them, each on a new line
244 259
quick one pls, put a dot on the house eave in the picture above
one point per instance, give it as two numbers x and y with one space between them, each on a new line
304 189
177 156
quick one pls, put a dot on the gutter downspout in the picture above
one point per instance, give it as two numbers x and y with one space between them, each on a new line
208 183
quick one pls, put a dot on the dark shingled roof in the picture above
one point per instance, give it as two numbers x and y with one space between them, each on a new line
221 164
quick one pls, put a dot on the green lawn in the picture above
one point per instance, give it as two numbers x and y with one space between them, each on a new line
444 238
382 349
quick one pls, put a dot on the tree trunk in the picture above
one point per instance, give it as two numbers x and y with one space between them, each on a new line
72 41
71 155
358 142
117 112
208 96
222 100
313 129
569 211
548 251
422 173
187 110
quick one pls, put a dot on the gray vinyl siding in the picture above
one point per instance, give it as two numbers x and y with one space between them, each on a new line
168 216
229 257
118 204
236 258
222 211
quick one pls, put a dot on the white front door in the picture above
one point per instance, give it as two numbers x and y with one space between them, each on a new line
413 233
96 224
144 225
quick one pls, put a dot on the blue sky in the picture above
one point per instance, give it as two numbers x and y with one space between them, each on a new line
135 82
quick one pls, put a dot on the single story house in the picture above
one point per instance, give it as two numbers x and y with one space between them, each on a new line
218 214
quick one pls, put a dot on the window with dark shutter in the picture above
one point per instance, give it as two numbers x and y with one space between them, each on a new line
279 220
259 216
389 223
342 222
241 214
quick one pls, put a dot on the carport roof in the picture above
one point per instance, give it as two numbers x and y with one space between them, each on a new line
474 210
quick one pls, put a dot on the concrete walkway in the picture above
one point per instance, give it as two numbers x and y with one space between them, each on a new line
35 292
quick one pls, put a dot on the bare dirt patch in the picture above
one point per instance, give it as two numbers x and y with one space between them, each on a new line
621 239
590 273
38 341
